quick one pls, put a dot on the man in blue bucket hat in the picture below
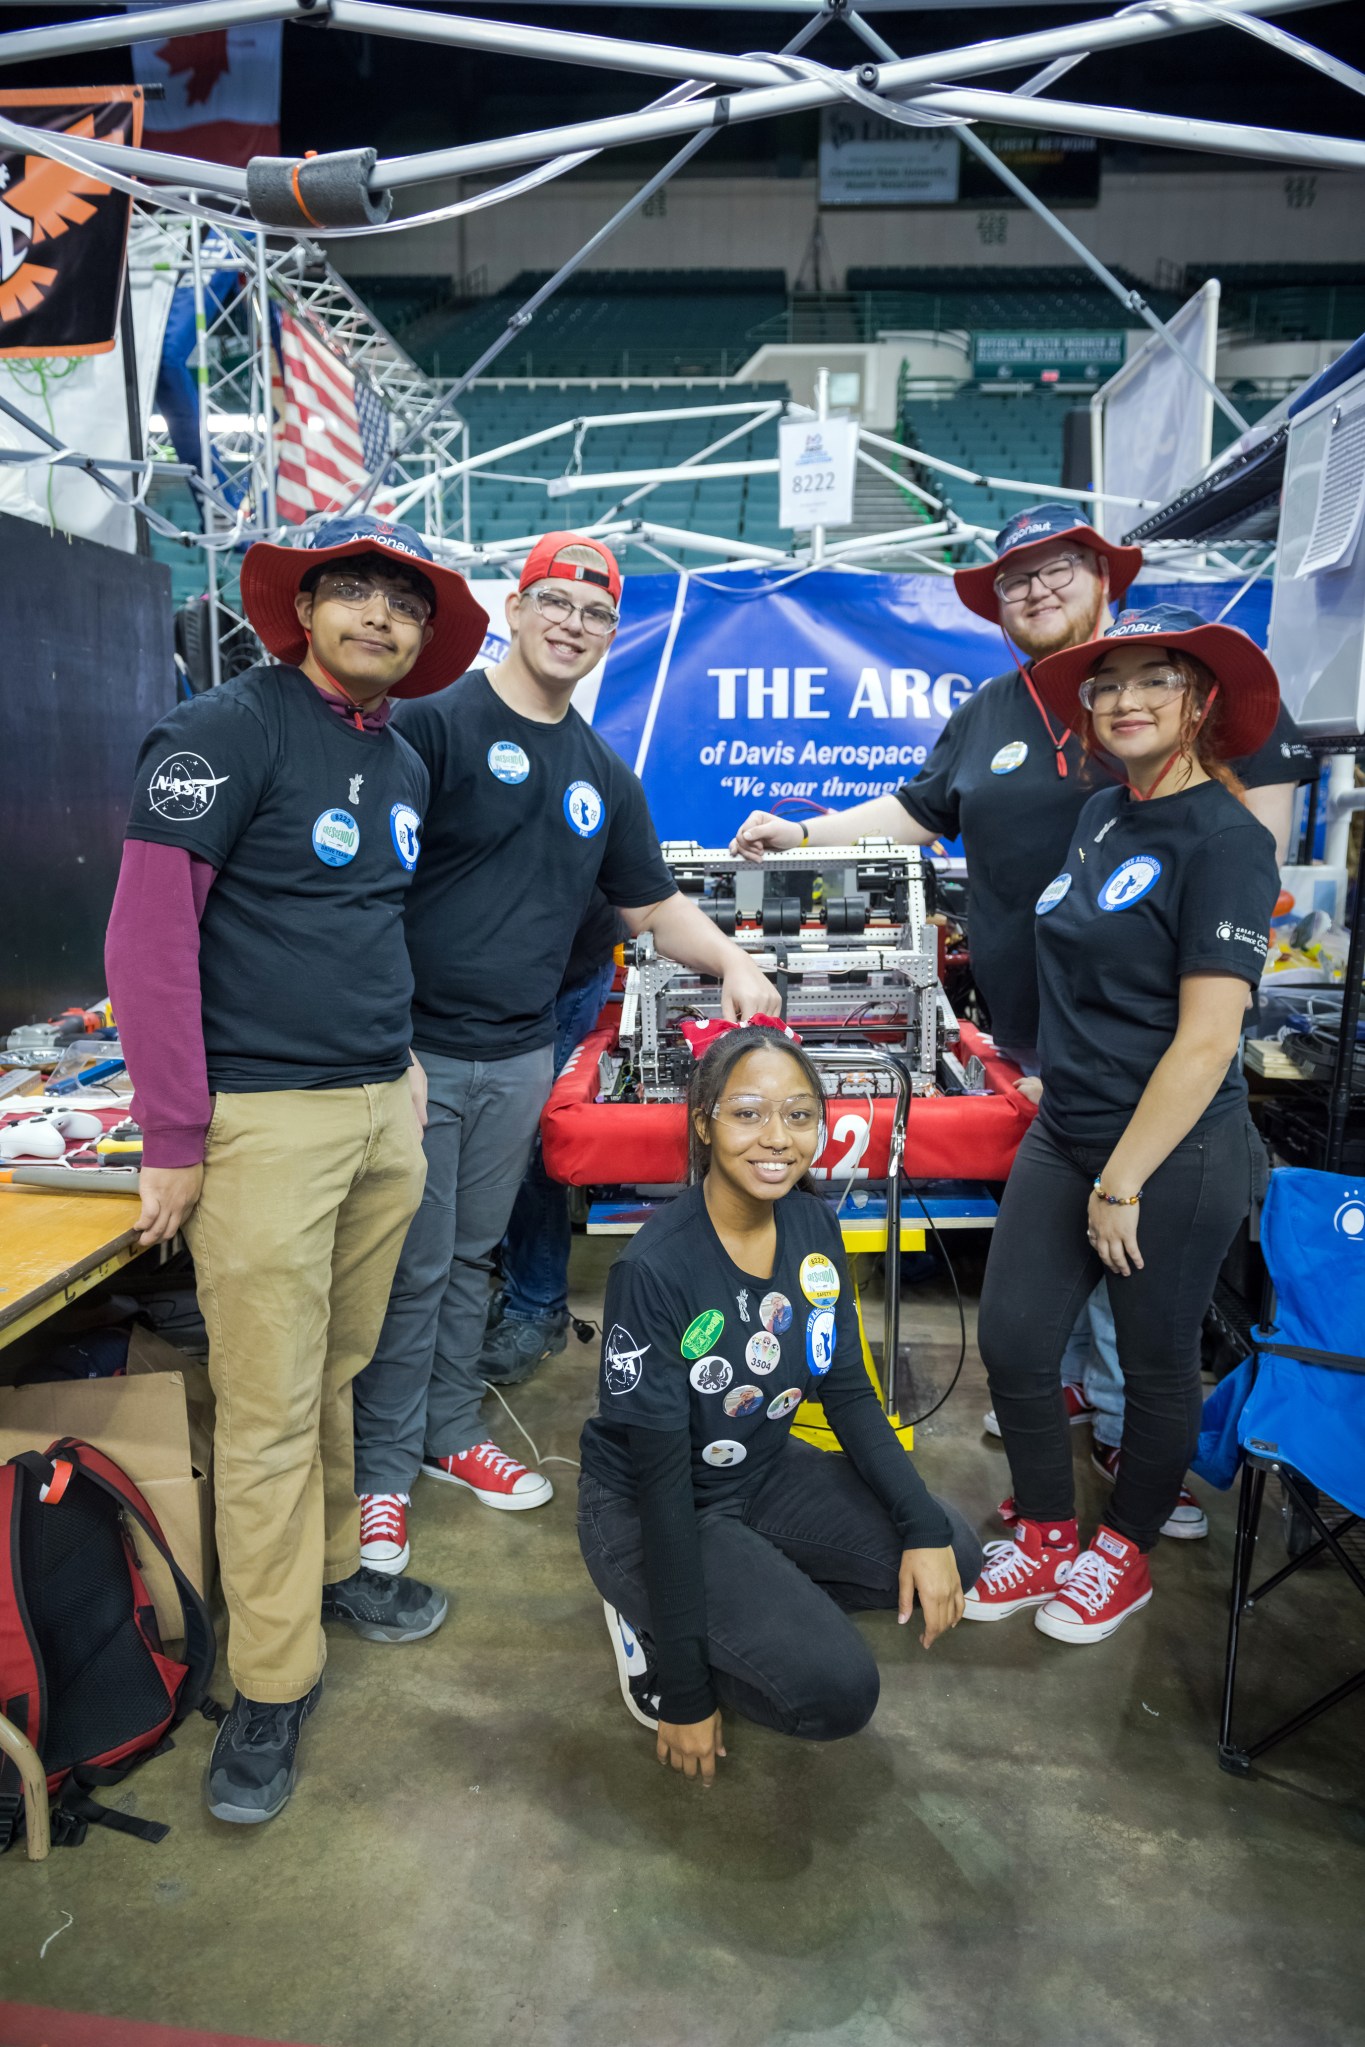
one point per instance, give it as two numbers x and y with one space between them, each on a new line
259 974
1010 778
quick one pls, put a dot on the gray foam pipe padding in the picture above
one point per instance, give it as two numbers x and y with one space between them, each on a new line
334 189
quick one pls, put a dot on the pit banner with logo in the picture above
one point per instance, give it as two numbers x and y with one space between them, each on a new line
63 234
752 690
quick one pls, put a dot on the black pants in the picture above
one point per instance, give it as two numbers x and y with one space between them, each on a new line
1041 1269
782 1567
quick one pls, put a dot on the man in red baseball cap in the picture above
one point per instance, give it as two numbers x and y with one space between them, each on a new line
530 812
258 972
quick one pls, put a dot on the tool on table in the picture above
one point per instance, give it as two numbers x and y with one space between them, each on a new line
122 1145
63 1180
40 1044
104 1069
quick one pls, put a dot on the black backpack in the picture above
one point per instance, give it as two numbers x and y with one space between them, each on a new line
82 1670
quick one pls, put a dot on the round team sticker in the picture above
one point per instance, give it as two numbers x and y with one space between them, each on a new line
1129 883
1010 757
404 829
724 1452
1052 895
763 1352
710 1375
819 1280
820 1340
584 809
743 1400
508 761
702 1333
336 838
784 1403
775 1313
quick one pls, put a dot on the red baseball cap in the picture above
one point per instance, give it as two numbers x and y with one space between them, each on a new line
542 562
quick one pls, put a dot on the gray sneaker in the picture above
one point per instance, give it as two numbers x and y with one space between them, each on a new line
385 1609
251 1771
516 1347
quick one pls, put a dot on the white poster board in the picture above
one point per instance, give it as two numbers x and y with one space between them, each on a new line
815 477
866 160
1152 423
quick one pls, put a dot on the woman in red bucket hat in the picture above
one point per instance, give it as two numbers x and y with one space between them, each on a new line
259 973
1143 1162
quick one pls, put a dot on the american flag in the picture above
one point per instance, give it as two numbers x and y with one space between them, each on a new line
334 428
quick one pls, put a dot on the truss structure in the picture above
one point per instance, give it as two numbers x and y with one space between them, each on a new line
204 217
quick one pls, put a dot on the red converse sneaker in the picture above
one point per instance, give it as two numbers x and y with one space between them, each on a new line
1186 1522
384 1532
1106 1583
1078 1410
494 1478
1024 1572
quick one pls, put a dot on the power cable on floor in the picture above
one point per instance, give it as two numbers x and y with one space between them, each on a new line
490 1388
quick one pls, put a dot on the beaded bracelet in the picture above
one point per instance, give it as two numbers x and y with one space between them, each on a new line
1117 1200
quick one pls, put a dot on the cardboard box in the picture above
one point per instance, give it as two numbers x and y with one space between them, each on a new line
158 1424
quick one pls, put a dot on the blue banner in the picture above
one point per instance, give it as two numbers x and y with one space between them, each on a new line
747 690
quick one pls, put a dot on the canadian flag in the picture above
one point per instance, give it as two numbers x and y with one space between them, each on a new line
221 92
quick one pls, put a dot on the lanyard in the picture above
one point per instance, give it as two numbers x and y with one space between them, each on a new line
1058 745
339 687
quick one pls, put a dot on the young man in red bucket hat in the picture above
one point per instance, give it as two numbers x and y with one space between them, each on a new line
259 974
530 812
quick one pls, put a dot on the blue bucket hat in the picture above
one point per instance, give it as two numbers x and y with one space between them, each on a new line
1249 689
271 577
976 586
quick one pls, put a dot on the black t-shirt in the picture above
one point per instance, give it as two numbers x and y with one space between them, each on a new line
1283 758
314 828
594 942
1183 884
992 779
525 820
694 1343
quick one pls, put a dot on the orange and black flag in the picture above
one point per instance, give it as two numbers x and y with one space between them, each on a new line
63 234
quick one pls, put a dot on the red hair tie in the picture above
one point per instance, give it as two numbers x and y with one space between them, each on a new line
702 1034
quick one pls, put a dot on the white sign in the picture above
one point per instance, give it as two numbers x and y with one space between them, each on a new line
868 161
817 458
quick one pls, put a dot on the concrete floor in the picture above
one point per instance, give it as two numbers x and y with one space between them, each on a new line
1032 1846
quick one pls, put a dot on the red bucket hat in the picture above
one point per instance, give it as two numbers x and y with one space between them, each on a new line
271 577
976 586
1249 689
542 562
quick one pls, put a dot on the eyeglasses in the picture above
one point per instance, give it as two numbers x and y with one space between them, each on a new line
1151 692
595 619
355 593
756 1112
1053 575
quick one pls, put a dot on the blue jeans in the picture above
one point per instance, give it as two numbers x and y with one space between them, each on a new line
535 1251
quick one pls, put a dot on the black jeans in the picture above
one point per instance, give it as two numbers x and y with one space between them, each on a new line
779 1566
1041 1269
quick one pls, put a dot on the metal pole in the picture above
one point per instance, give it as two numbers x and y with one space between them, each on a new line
132 399
817 533
261 314
201 378
525 313
466 522
1343 1068
76 38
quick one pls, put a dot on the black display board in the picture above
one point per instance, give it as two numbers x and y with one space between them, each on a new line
86 666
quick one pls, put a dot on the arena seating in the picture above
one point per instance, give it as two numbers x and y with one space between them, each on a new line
603 323
1001 433
1288 301
737 507
988 296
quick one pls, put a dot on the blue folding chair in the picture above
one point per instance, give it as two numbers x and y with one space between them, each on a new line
1304 1416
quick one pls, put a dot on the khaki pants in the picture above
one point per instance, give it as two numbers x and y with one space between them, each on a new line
307 1198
